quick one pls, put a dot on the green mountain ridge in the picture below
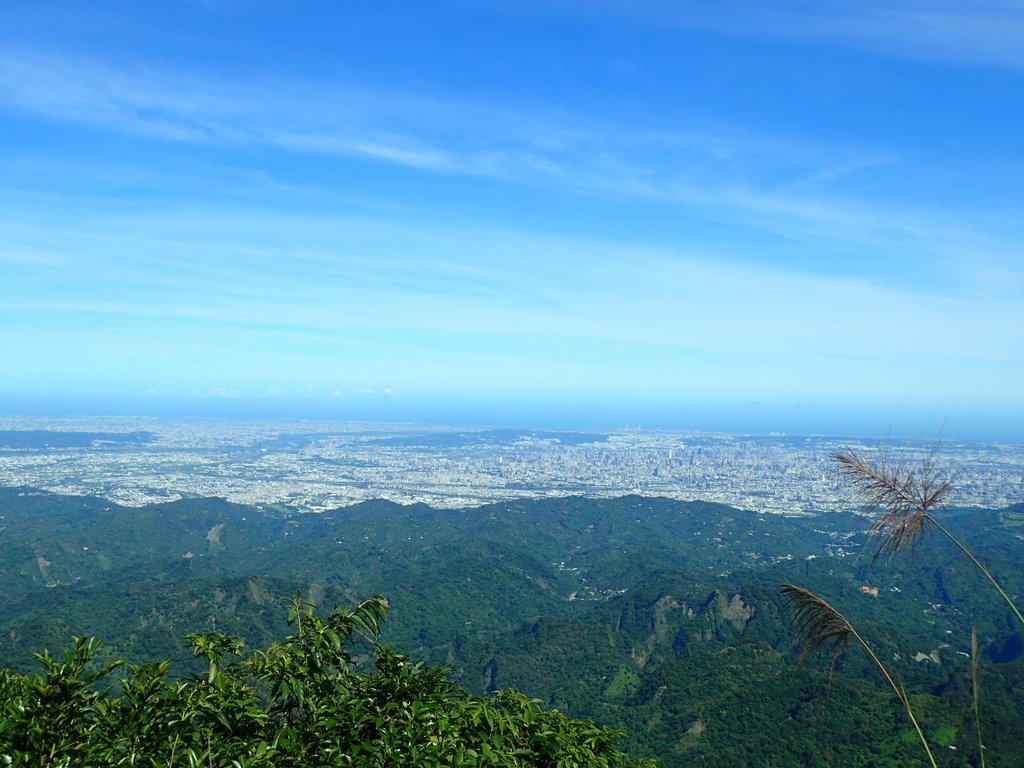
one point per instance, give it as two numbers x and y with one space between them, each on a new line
658 617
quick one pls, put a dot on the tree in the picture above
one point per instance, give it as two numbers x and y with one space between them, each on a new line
299 702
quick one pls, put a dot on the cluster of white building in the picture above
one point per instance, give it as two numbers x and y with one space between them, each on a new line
320 465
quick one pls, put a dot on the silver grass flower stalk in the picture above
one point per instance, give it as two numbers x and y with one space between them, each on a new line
823 628
900 499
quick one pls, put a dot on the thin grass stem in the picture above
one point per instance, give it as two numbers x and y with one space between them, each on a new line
976 688
980 567
901 501
822 625
899 694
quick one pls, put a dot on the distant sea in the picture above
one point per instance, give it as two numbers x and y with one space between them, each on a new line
920 422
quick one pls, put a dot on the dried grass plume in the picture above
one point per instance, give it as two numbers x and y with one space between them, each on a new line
899 498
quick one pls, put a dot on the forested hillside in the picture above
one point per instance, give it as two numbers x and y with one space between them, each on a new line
659 618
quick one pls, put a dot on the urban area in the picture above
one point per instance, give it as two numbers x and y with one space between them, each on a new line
313 466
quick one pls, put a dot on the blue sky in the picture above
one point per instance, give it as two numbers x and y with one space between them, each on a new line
780 215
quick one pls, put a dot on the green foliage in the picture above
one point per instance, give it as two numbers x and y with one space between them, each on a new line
300 702
555 598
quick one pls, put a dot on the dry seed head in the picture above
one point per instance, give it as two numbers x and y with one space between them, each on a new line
898 498
821 626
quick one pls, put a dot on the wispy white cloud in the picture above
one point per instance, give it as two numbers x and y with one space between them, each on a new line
780 345
958 31
696 254
711 166
790 188
988 32
363 284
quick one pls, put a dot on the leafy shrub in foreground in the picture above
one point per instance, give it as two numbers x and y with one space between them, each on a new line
299 702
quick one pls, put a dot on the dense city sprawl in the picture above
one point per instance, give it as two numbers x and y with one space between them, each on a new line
314 466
